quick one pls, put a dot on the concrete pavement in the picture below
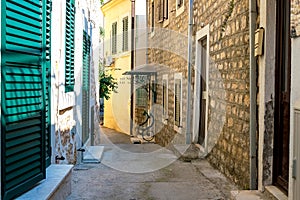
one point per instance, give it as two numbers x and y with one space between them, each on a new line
147 172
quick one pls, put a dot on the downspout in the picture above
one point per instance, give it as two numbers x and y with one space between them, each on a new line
253 92
190 46
132 64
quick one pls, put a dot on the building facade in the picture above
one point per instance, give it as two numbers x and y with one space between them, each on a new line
219 80
117 60
244 101
46 75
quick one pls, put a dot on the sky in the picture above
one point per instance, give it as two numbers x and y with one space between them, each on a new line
140 7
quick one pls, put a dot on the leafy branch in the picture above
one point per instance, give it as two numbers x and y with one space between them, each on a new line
108 84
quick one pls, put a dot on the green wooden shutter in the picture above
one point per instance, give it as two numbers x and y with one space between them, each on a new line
70 28
47 77
24 107
85 87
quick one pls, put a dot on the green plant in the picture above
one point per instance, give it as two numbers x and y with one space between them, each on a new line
108 84
227 16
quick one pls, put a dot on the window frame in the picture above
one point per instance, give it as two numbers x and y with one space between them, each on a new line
125 38
114 41
178 124
179 7
152 22
165 99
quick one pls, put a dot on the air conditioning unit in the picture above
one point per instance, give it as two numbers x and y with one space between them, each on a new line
109 60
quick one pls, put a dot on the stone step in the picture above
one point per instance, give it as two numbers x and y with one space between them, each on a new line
57 184
251 195
93 154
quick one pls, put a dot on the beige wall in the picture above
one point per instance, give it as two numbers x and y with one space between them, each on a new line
117 108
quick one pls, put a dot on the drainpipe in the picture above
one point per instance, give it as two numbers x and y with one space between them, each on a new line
132 64
253 91
190 46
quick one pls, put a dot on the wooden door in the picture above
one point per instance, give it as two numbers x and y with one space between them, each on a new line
282 97
203 91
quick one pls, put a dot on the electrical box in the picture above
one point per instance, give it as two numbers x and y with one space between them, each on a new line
258 46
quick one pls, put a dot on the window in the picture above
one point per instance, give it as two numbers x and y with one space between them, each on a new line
69 46
178 100
152 16
166 9
165 98
163 10
114 38
179 7
25 100
141 97
125 34
85 85
179 3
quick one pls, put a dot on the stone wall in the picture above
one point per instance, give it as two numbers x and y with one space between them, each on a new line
168 47
228 84
65 142
295 16
229 99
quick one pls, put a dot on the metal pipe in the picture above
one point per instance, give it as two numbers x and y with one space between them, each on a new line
132 64
253 92
188 113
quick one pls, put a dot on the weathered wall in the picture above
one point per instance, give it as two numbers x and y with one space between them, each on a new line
168 47
229 100
295 16
66 113
228 84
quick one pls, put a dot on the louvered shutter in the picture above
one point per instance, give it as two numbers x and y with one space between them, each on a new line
69 43
165 97
177 102
85 87
47 77
24 103
166 9
161 10
125 34
114 38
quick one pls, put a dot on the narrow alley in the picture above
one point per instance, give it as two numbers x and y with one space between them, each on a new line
175 180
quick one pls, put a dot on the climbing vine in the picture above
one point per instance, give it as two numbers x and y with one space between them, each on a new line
227 16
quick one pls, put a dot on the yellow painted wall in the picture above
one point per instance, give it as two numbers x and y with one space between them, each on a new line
117 108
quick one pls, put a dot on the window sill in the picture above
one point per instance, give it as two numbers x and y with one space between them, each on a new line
179 11
57 184
166 23
165 121
178 129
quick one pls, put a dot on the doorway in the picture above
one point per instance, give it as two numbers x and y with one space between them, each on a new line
282 97
201 88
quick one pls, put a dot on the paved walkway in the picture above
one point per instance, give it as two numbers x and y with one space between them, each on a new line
147 172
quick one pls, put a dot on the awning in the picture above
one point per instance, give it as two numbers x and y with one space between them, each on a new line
147 69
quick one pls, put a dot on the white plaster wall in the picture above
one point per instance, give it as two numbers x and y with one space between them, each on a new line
266 77
295 99
59 99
